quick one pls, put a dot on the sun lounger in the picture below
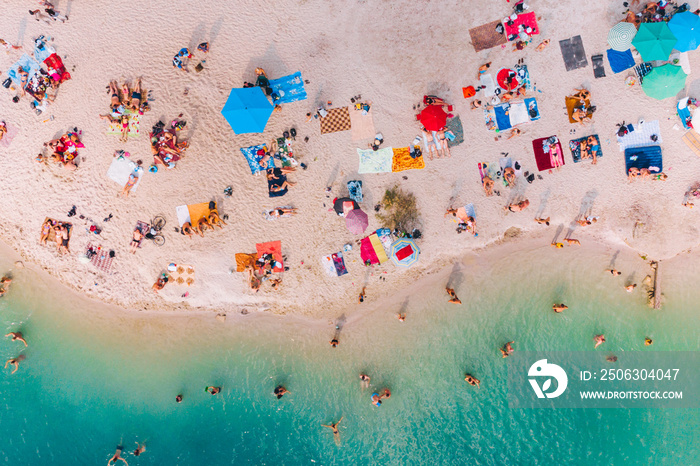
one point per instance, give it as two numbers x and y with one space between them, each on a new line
121 168
575 147
573 53
486 36
692 140
361 125
288 88
378 161
641 135
253 159
274 248
402 160
644 157
544 157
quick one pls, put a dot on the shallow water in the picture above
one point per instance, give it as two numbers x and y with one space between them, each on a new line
95 377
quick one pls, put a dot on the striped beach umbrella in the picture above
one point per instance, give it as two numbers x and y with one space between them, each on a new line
621 35
404 252
654 41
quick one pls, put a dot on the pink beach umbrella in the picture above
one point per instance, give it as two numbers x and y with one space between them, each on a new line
356 221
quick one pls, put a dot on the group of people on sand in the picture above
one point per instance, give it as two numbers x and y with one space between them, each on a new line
61 233
583 112
123 103
436 142
653 12
644 174
465 223
167 149
63 151
208 222
261 271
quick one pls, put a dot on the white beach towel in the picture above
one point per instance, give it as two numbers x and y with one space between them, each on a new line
121 168
518 114
641 136
183 214
328 266
487 81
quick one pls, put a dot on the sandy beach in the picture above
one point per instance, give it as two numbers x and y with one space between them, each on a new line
392 54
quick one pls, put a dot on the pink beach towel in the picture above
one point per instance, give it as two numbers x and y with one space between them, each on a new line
547 160
9 135
527 20
367 252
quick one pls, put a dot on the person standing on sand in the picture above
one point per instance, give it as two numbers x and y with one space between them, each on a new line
363 294
117 456
543 220
213 390
507 349
17 336
559 307
453 296
401 317
334 428
599 340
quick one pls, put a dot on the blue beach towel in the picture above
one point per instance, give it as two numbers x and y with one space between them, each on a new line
684 113
42 51
575 147
28 64
620 61
644 157
502 120
250 154
532 109
355 190
288 88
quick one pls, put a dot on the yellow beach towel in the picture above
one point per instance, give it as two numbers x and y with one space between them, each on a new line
403 161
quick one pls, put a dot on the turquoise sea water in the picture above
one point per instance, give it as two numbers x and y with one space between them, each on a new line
95 377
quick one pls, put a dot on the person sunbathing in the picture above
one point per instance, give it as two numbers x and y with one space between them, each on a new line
215 220
483 69
487 183
633 173
186 229
509 175
160 283
125 93
428 138
517 207
124 127
476 104
543 45
514 132
521 91
136 96
115 100
582 94
135 241
254 281
283 211
445 149
203 224
644 173
129 184
45 231
24 77
64 239
3 129
507 96
578 115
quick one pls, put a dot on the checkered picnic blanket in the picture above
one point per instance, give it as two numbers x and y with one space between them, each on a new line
101 259
338 119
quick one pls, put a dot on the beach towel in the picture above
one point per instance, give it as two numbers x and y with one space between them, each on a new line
51 240
385 237
492 170
134 130
642 70
284 152
361 126
253 159
9 135
120 169
641 136
572 103
183 214
275 181
402 160
488 84
42 50
56 68
198 212
244 260
183 275
486 36
598 66
454 126
524 19
372 250
101 259
288 89
378 161
644 157
334 264
523 76
337 119
692 140
274 248
533 110
28 64
143 227
548 153
620 61
577 153
684 113
573 53
509 114
355 190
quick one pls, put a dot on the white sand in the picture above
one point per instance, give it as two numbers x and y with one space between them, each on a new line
390 52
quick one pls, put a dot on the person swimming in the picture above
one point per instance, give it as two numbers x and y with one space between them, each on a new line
213 390
507 349
334 428
117 456
473 381
599 340
280 391
364 380
377 398
559 307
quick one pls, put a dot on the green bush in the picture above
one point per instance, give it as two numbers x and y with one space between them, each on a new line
399 210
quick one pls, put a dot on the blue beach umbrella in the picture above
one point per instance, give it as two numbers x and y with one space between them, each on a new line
404 252
654 41
247 110
686 27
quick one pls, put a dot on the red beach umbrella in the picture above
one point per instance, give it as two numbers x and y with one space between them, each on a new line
433 118
501 79
356 221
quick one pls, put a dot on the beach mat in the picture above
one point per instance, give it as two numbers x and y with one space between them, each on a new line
485 36
28 64
244 260
121 168
183 214
641 135
274 248
644 157
573 53
692 140
253 159
183 275
337 119
577 154
355 190
378 161
198 212
402 160
361 126
101 260
598 66
134 130
620 61
572 103
277 180
9 135
542 153
525 20
454 125
288 88
334 264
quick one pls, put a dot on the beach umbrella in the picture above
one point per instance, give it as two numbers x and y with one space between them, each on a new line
621 35
404 252
341 202
356 221
654 41
247 110
686 27
433 118
664 81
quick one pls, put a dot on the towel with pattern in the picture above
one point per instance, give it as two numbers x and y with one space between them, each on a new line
288 88
375 161
253 159
101 259
582 148
28 64
641 135
402 160
134 130
337 119
355 190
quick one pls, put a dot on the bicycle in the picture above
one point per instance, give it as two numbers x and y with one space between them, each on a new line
154 233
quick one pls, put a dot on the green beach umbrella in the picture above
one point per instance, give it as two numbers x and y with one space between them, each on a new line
654 41
664 81
621 35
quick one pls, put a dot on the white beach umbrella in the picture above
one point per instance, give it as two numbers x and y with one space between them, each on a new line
621 35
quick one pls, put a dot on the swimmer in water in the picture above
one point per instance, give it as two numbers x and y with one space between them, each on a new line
213 390
178 399
473 381
280 391
648 341
611 359
599 340
559 307
364 380
17 336
334 428
117 456
377 398
507 349
453 296
140 448
14 362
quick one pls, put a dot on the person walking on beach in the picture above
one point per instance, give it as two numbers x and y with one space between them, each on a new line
473 381
14 362
559 307
334 428
213 390
599 340
363 294
280 391
117 456
453 296
17 336
140 448
614 272
507 349
630 288
542 220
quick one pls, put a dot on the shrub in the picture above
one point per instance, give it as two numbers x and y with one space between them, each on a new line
399 210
